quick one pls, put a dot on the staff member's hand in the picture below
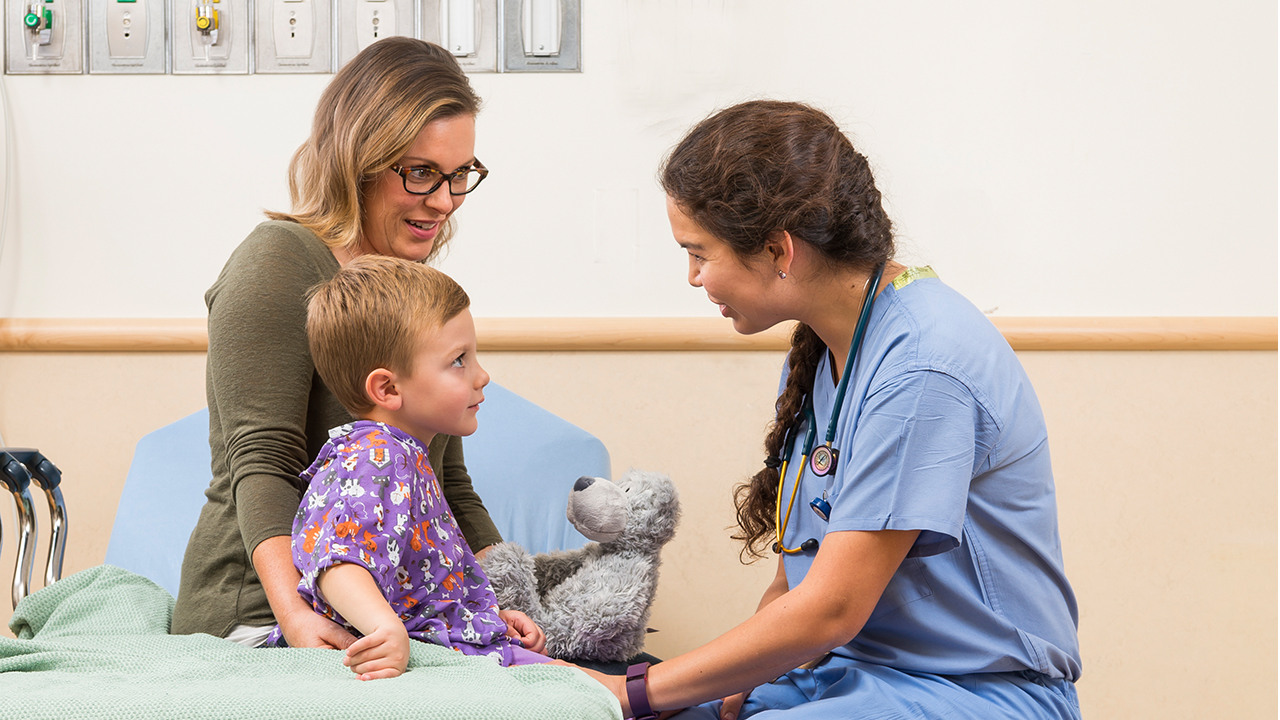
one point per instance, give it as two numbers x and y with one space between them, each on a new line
732 705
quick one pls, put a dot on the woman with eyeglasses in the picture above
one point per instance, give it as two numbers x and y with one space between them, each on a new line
391 156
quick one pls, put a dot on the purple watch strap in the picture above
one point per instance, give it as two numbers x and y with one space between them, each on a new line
638 692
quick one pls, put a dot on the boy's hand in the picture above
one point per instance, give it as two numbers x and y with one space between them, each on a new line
383 653
521 627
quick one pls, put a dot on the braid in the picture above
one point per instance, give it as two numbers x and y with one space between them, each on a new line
756 499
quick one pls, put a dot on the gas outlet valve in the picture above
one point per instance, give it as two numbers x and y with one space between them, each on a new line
207 22
39 22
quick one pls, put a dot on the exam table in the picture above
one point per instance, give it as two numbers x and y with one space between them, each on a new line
96 644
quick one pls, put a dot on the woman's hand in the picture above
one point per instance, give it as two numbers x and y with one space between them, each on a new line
304 627
732 705
616 684
383 653
522 628
301 625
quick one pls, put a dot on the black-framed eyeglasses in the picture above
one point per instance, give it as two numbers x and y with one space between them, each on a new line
424 180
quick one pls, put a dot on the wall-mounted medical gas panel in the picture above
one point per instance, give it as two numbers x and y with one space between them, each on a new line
466 28
128 36
44 36
293 36
209 37
191 37
361 23
542 35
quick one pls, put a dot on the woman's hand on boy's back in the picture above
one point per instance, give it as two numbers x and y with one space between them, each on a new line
524 629
304 627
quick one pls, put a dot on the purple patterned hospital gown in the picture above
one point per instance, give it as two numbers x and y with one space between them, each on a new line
374 500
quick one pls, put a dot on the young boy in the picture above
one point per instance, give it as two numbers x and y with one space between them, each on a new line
375 542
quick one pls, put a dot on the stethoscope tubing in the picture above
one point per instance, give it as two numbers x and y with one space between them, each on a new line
855 346
859 332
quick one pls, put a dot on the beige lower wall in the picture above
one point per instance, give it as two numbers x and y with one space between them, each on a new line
1165 464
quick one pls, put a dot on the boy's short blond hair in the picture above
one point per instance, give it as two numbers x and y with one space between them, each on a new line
374 314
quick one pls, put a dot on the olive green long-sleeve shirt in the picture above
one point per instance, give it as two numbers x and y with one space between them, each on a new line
269 414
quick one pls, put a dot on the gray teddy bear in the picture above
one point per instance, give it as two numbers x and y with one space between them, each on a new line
593 603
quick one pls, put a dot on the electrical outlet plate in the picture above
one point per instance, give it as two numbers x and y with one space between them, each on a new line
466 28
363 22
209 37
128 36
44 37
293 36
541 35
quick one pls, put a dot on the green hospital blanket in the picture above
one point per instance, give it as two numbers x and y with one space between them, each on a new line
96 645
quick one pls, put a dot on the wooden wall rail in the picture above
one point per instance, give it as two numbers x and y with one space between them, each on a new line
664 334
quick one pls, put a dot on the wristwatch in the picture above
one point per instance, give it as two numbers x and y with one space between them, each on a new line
638 692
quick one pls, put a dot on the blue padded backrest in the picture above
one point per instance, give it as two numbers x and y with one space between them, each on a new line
161 502
523 461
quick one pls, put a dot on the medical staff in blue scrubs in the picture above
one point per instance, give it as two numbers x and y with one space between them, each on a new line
920 570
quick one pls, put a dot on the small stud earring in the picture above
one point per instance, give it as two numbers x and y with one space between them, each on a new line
782 275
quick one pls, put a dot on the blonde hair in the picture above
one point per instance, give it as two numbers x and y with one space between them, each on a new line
367 119
374 314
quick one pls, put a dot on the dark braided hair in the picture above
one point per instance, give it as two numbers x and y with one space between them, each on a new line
763 166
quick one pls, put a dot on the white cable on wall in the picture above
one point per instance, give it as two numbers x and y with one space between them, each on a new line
8 172
8 176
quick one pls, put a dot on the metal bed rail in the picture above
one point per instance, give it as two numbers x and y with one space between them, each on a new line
18 468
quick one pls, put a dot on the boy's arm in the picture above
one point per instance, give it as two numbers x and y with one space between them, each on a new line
384 650
302 626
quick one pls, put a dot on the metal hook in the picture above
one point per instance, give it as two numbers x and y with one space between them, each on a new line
14 475
48 477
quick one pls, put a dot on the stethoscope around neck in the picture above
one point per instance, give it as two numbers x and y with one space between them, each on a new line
823 459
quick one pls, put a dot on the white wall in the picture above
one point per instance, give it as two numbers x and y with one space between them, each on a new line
1086 158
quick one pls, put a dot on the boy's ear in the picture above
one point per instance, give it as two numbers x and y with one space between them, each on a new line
380 386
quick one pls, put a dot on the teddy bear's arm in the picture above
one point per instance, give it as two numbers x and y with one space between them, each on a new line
509 568
552 568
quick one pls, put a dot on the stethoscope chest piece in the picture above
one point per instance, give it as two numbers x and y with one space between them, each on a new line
823 460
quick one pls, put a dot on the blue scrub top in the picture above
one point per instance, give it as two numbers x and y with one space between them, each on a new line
941 432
